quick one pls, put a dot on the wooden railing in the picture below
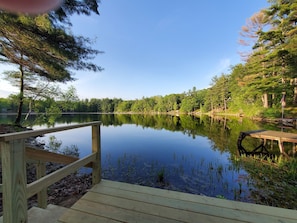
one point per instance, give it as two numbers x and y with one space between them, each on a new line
14 155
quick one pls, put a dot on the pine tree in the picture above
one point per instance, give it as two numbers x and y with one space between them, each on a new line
42 46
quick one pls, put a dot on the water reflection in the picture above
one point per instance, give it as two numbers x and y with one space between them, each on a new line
186 153
138 155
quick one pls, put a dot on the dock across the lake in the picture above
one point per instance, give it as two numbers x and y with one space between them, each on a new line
111 201
280 137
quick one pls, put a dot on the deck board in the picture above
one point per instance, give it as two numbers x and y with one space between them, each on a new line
121 202
273 135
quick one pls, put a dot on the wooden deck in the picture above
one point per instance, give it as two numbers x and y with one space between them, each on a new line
278 136
111 201
273 135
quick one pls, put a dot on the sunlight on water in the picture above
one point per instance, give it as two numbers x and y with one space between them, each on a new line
139 155
190 154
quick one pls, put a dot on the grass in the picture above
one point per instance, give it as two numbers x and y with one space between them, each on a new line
161 174
275 180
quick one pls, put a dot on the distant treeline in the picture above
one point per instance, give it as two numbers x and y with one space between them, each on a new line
185 102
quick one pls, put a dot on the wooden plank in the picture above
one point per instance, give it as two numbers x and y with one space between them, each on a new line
36 186
278 136
14 181
74 216
122 212
96 148
202 208
36 155
253 208
47 156
273 135
33 133
42 195
124 202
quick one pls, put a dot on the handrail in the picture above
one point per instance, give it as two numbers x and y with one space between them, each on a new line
33 133
36 156
39 155
15 154
34 187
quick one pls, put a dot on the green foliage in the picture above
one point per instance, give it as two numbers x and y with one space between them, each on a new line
161 176
43 47
54 145
278 176
271 113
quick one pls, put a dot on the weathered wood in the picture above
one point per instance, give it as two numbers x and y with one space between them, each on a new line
124 202
96 149
33 133
273 135
36 186
41 195
278 136
14 181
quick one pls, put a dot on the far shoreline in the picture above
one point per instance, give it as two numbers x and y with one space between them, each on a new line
291 120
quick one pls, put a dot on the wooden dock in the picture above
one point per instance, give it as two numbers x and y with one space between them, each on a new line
280 137
111 201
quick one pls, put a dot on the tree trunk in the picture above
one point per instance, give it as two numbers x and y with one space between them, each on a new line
30 110
21 97
295 91
265 100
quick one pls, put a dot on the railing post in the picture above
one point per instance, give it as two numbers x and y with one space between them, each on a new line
96 148
14 181
42 195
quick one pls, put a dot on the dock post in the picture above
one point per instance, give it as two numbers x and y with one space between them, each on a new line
281 146
240 148
96 148
14 181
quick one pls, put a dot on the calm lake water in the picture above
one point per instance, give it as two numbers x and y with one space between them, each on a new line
189 154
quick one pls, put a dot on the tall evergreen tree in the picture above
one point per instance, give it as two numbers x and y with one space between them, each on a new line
271 67
278 41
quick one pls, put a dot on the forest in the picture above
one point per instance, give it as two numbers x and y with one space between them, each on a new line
262 85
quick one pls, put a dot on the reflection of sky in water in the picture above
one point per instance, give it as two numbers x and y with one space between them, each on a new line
137 155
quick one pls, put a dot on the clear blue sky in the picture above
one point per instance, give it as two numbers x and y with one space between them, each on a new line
159 47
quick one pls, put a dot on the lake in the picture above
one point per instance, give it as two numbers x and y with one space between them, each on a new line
183 153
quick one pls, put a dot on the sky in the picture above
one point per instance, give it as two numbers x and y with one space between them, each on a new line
157 47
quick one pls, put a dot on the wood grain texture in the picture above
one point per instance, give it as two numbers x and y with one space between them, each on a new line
124 202
96 148
36 186
14 181
33 133
41 195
